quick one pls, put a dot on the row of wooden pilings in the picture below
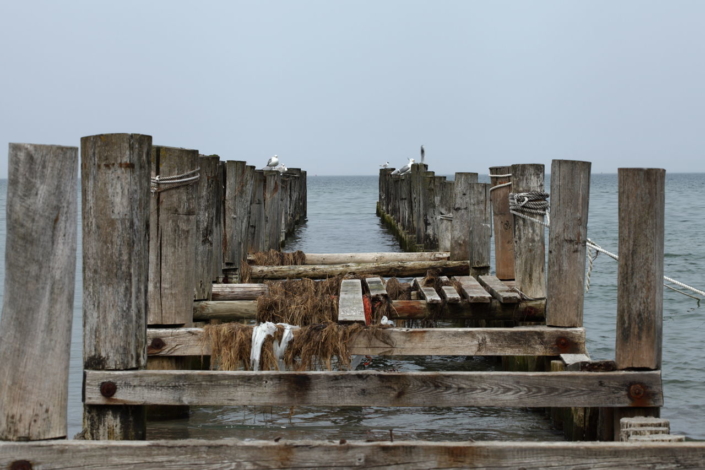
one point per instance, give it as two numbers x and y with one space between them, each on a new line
159 226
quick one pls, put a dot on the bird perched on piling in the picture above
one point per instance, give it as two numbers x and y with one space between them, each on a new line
272 164
280 168
386 165
405 169
423 154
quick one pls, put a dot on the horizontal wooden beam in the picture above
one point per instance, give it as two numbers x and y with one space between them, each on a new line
409 455
521 341
322 271
369 388
239 291
235 310
342 258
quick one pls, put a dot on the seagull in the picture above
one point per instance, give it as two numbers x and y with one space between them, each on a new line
423 154
273 161
405 169
386 165
280 168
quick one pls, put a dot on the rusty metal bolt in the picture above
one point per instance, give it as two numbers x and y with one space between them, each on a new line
636 391
21 465
562 343
108 389
157 343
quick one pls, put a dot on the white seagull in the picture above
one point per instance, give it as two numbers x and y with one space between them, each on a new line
405 169
386 165
280 168
273 161
423 154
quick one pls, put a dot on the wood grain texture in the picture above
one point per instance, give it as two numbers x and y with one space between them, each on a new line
115 171
402 455
529 241
255 237
350 306
225 310
565 282
450 294
239 179
376 287
472 290
272 207
522 341
512 389
342 258
419 200
431 192
503 222
480 229
462 216
218 224
445 213
640 279
172 239
398 269
239 291
207 194
499 290
35 330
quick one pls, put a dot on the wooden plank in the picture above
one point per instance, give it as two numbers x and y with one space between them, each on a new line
450 294
172 239
529 240
565 284
472 290
480 229
512 389
406 455
350 306
343 258
640 279
499 290
398 269
225 310
115 171
239 291
427 293
35 330
503 222
207 193
376 287
461 226
521 341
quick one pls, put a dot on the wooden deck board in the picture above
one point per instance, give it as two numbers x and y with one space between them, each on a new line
350 307
499 290
472 290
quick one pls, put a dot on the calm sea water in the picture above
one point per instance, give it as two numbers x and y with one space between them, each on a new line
341 218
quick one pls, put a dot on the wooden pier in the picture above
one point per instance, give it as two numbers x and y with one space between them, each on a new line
159 242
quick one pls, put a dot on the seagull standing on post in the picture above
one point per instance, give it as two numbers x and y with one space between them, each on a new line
405 169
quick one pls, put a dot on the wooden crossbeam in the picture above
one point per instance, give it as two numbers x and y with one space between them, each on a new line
239 291
499 290
411 455
350 306
523 341
427 293
472 290
367 388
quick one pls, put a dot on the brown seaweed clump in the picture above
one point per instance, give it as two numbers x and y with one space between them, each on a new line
300 302
230 345
279 258
398 290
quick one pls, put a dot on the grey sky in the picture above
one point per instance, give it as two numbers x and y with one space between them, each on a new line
337 88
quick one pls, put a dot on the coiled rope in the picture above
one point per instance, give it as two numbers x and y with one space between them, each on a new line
175 181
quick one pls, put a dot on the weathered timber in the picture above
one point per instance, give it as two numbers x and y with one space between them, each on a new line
115 175
558 415
406 455
398 269
225 310
239 291
376 287
239 178
461 211
35 330
383 184
206 236
218 224
503 222
172 238
565 284
529 243
163 412
499 290
524 341
450 295
283 207
426 293
342 258
350 306
445 215
272 206
432 193
640 278
255 237
472 290
512 389
480 229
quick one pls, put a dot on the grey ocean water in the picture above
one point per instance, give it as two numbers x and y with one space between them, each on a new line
341 218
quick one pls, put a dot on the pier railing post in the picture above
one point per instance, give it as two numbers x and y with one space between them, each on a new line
206 236
503 223
529 243
35 330
115 176
480 229
460 228
565 285
272 206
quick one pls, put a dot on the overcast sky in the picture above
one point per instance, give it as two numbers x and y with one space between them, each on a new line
337 88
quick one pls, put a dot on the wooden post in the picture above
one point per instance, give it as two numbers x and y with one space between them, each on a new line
432 194
480 229
529 243
460 229
172 238
503 223
35 330
255 238
115 171
419 201
272 218
565 285
305 194
445 215
238 189
205 226
640 282
218 230
284 207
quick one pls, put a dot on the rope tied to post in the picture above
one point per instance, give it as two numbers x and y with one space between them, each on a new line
531 202
175 181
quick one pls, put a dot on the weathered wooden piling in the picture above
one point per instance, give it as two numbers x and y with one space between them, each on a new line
565 284
529 244
445 215
35 330
172 235
206 236
238 189
115 180
503 222
218 224
255 239
480 211
462 216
